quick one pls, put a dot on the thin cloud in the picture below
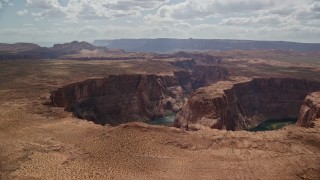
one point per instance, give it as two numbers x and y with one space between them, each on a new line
22 12
4 2
91 10
289 20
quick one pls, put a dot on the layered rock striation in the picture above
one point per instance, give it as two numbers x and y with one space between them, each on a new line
310 110
121 98
244 103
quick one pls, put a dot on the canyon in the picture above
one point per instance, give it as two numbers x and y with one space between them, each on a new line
222 102
125 98
120 99
244 103
72 117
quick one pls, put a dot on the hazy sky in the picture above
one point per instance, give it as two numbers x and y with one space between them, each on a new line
67 20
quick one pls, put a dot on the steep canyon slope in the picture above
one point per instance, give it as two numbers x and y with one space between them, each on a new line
244 103
310 110
125 98
121 98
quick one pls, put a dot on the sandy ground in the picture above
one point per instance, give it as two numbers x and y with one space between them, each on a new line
71 149
43 142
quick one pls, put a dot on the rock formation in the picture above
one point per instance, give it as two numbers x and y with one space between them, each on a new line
310 110
121 98
244 103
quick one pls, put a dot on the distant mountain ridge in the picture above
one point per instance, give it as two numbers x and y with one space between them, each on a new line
34 51
168 45
17 47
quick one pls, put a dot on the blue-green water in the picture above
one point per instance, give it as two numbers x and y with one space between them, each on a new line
165 121
269 125
273 124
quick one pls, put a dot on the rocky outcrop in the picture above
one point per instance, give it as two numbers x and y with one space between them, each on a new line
310 110
121 98
244 103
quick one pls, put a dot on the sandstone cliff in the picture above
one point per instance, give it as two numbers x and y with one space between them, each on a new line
241 104
124 98
310 110
121 98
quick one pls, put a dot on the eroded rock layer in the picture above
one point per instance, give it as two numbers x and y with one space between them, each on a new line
244 103
125 98
121 98
310 110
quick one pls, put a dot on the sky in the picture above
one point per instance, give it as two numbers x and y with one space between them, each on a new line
87 20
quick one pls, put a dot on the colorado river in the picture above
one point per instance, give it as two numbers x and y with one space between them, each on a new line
165 121
272 124
268 125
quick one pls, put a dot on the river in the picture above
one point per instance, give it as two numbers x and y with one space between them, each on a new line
273 124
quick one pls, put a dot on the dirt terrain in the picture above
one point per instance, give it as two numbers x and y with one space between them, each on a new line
40 141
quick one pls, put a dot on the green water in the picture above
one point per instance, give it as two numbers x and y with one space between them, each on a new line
165 121
273 124
269 125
